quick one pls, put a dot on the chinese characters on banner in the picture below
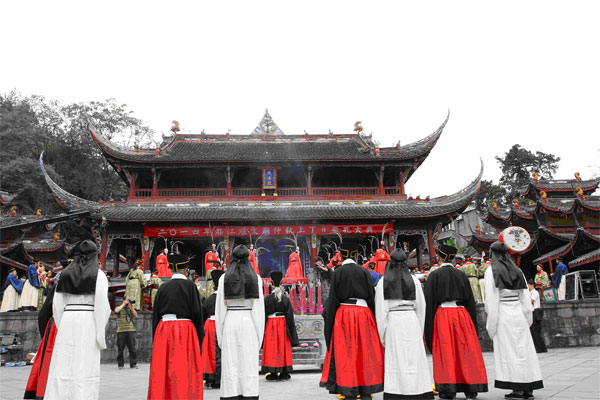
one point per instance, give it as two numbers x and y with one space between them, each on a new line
255 231
269 178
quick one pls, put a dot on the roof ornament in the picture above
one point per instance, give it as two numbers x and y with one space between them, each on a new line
535 177
175 127
267 127
358 127
577 176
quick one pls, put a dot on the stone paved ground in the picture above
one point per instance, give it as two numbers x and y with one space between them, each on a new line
569 373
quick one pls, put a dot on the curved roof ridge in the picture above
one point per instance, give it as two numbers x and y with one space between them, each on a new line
429 140
66 200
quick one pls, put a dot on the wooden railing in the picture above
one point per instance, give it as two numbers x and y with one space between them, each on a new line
246 192
392 190
192 192
143 192
343 191
292 191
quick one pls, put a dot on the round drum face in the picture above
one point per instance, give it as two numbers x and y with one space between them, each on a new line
516 239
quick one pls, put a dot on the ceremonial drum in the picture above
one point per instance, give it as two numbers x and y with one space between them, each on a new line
516 239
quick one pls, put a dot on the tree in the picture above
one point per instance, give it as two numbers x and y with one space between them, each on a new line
518 164
489 192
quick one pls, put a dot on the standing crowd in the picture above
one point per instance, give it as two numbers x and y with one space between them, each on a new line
374 329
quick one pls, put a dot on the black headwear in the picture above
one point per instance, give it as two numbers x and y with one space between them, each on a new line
276 277
215 275
506 274
241 282
446 253
80 276
398 282
178 262
348 250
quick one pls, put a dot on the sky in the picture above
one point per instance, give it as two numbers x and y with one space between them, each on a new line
510 72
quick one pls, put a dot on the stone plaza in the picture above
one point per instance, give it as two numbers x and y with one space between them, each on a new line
569 374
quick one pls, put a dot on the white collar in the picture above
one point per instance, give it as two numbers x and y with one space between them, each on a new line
178 275
446 263
348 261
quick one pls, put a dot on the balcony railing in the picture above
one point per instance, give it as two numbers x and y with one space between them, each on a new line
297 192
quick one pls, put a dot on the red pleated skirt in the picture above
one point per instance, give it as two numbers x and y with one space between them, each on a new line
277 349
457 359
354 360
209 347
176 368
38 377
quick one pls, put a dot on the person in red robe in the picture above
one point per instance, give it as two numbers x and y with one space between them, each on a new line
354 362
162 265
335 261
177 332
450 331
381 259
211 259
210 351
252 259
295 269
280 333
38 376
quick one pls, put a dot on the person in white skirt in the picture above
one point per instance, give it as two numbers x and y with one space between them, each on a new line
509 315
12 289
29 295
400 315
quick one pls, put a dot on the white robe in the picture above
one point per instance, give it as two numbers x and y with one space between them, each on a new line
29 295
10 299
75 366
239 335
508 324
401 332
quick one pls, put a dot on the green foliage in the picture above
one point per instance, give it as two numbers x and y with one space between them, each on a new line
30 125
489 192
518 164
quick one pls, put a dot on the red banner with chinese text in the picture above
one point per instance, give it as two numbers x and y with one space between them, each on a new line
255 231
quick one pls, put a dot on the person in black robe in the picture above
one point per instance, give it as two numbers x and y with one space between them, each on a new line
354 360
450 331
177 332
38 376
210 350
280 333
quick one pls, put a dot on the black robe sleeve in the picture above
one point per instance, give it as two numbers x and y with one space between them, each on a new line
431 307
197 320
330 309
156 314
290 323
46 311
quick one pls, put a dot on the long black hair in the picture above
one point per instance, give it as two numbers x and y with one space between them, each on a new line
80 276
240 282
398 283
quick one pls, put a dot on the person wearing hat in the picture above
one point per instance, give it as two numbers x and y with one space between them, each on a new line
162 264
381 258
354 360
210 350
81 310
400 314
295 269
12 289
29 295
470 270
538 316
450 331
177 332
252 259
280 333
134 283
211 263
240 325
541 277
335 261
509 315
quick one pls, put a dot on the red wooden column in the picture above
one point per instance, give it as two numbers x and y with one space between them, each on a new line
132 185
402 183
309 182
381 189
228 177
430 245
104 251
313 249
154 183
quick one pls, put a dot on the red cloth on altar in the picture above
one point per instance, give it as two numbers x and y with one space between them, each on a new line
295 269
162 266
457 359
354 362
252 259
381 259
176 368
38 376
209 347
210 261
277 348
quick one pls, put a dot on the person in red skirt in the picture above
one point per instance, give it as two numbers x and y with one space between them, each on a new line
451 333
177 331
210 351
280 333
38 377
354 361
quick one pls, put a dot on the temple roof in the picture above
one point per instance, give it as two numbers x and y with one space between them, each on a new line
261 148
592 256
559 186
441 208
580 243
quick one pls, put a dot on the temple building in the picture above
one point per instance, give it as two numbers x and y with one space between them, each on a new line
267 188
562 217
